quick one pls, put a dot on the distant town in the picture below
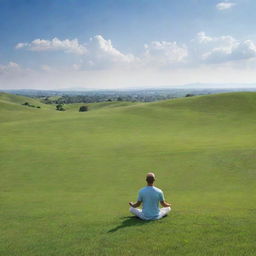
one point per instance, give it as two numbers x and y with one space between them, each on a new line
132 95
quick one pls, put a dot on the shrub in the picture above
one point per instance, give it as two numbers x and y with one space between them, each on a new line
30 105
83 108
59 107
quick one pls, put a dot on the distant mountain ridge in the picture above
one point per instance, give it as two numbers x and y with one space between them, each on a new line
224 86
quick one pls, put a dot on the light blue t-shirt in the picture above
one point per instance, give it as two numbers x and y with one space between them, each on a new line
150 197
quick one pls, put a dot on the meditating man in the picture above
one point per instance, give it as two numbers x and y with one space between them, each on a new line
150 197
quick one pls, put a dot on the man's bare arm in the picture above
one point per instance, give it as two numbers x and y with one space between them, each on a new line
165 204
137 204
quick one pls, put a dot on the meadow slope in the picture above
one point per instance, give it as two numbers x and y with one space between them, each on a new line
67 177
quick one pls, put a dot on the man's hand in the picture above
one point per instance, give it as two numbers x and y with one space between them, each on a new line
131 204
165 204
137 204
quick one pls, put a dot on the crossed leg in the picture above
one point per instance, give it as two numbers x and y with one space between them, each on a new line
138 212
164 211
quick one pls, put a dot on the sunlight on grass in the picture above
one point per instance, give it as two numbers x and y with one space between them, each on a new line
67 178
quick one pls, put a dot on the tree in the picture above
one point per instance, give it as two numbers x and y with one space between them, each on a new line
83 108
59 107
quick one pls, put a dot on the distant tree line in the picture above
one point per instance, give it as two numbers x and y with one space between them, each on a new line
68 99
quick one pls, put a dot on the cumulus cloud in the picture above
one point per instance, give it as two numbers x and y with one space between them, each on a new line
225 5
22 45
165 53
97 53
102 53
98 63
203 38
227 40
69 46
224 48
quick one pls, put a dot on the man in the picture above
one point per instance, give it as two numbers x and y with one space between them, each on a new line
150 197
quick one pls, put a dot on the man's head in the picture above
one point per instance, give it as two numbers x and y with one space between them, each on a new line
150 178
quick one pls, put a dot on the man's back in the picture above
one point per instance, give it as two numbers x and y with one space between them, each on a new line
150 197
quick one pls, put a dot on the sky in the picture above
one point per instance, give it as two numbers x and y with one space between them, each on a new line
117 44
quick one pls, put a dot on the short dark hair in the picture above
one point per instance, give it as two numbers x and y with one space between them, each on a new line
150 179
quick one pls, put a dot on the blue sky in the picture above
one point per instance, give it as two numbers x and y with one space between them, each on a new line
51 44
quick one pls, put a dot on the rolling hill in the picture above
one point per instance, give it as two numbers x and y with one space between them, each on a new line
67 177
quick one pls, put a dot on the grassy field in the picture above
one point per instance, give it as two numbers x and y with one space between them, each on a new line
67 177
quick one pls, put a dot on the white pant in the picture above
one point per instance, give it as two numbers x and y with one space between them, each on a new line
138 212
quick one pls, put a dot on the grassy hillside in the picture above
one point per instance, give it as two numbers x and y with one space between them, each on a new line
67 177
9 101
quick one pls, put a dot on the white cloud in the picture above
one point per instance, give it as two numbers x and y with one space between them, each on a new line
21 45
202 38
70 46
224 48
99 53
225 5
102 52
101 65
164 53
244 50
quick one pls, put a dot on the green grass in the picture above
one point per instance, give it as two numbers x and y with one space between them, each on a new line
67 177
